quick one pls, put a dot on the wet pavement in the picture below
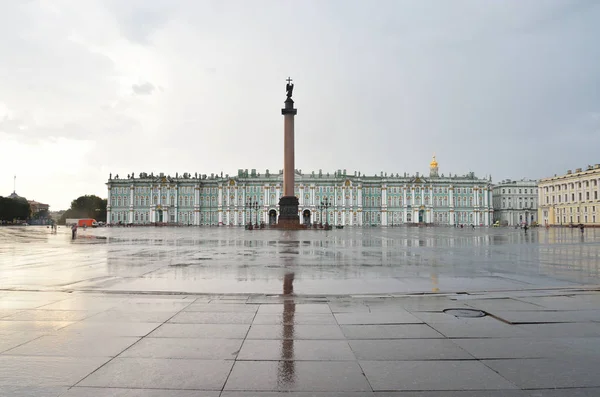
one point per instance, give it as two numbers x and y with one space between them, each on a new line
338 262
226 312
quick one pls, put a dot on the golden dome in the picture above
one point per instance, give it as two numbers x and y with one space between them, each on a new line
433 163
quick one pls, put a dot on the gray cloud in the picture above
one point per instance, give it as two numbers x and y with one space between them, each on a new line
503 88
143 89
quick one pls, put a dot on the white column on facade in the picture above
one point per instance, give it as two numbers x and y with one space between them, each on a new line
175 191
431 195
220 204
108 205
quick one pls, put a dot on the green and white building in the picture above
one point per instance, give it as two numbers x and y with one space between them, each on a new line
354 200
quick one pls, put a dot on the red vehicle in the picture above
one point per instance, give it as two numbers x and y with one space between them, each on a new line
81 222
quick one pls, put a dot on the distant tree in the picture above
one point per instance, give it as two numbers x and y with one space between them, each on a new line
88 206
14 209
42 214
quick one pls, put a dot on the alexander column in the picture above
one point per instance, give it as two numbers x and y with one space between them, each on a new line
288 203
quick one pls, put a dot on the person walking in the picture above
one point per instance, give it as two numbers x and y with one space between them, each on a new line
73 232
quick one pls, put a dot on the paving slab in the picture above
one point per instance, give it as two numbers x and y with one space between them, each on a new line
8 326
38 371
480 329
74 346
315 376
297 350
408 349
158 373
32 391
212 318
549 373
296 331
563 316
571 392
495 348
432 375
300 318
322 308
115 392
209 331
400 316
107 329
222 307
562 329
13 340
51 315
395 331
204 349
295 394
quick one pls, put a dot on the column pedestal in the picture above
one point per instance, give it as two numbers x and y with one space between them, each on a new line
288 213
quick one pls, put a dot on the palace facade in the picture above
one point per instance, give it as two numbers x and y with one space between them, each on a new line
515 202
338 198
572 198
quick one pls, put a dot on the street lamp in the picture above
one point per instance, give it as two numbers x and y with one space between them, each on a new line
250 205
325 204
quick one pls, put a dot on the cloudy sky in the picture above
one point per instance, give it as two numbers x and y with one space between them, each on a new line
89 87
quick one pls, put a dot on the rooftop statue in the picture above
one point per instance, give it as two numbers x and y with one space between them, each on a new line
289 88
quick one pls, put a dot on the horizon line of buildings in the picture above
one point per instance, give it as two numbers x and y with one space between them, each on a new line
338 198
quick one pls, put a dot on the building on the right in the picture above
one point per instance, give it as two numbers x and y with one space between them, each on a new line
570 199
515 202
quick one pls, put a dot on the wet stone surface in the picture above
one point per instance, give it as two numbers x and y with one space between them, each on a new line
225 312
338 262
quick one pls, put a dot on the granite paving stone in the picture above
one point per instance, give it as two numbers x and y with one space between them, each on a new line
400 316
107 329
432 375
562 330
13 340
589 346
298 350
295 394
32 391
455 393
480 329
212 318
571 392
298 308
133 316
74 346
344 376
408 349
299 331
495 348
222 308
205 349
50 315
396 331
40 371
300 318
441 317
158 373
528 317
208 331
116 392
97 304
502 304
549 373
7 326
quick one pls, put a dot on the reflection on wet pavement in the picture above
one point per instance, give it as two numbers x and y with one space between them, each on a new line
337 262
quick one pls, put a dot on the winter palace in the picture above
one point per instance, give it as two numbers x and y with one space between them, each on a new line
338 198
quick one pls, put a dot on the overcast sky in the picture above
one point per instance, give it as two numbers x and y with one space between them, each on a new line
501 88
